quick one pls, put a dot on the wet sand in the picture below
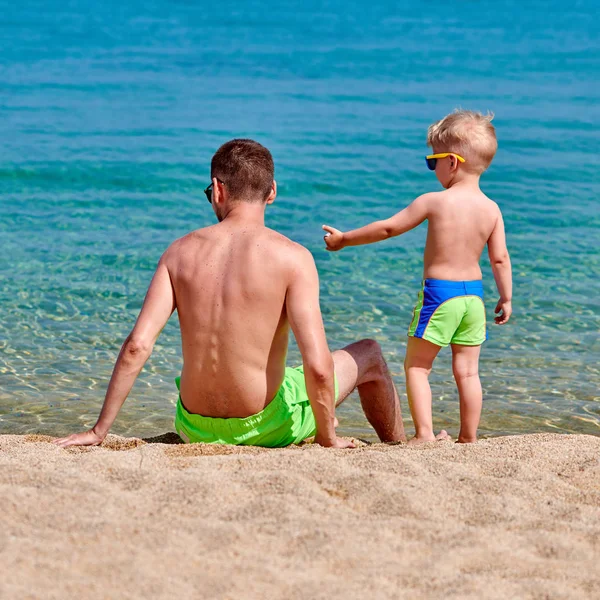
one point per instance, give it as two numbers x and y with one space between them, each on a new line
512 517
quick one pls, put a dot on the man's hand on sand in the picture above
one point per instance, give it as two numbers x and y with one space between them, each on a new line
333 238
87 438
503 310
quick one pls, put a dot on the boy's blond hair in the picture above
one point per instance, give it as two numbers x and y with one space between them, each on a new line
468 133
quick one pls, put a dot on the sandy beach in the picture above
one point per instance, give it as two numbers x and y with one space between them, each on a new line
513 517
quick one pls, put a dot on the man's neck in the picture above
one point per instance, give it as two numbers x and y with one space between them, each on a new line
245 213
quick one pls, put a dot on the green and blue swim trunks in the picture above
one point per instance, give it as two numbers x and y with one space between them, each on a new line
287 419
450 312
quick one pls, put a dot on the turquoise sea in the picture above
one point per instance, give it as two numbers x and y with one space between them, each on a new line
110 113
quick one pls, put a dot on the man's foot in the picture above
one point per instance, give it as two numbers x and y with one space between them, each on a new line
440 437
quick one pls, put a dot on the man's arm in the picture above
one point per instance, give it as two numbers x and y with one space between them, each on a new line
158 307
304 314
501 268
414 214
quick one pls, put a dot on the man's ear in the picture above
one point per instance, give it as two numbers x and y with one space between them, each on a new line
272 193
218 191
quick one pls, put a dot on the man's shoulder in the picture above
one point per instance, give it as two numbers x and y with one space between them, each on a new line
290 255
186 242
286 244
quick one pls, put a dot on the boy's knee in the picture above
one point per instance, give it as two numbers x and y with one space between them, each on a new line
413 367
465 371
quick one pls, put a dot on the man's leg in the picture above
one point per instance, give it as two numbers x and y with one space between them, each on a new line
465 366
362 365
420 355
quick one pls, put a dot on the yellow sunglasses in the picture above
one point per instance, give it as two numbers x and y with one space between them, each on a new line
432 159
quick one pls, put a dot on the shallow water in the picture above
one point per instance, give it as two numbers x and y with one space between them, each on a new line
109 116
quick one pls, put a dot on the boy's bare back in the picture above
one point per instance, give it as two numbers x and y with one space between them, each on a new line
460 223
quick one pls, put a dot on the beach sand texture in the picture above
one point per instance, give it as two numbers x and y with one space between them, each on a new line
513 517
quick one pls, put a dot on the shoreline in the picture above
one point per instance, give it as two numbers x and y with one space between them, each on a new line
515 516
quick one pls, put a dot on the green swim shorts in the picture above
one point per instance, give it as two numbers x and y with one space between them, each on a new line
287 419
450 312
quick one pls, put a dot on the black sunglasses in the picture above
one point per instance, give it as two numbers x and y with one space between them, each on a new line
431 163
209 190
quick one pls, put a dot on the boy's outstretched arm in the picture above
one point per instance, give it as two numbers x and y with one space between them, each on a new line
414 214
501 268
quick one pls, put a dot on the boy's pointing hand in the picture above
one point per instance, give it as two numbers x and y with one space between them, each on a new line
334 238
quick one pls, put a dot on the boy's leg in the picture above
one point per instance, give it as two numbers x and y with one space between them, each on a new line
362 365
420 355
465 366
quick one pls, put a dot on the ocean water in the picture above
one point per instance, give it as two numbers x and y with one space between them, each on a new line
110 113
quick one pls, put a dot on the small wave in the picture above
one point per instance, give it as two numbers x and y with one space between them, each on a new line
132 177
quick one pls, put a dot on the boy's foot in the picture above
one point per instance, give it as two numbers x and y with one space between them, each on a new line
465 440
440 437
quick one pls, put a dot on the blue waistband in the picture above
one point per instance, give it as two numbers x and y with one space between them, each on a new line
474 287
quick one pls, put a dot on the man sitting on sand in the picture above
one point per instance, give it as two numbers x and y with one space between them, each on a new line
238 287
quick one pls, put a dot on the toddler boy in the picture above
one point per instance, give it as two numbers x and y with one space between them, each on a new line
449 310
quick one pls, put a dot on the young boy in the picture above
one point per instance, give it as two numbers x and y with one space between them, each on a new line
461 221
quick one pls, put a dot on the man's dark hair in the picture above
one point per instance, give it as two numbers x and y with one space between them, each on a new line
246 168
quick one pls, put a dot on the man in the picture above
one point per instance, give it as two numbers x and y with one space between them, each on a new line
238 287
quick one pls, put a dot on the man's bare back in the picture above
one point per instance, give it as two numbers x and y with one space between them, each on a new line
230 283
